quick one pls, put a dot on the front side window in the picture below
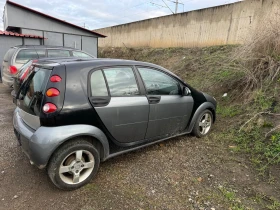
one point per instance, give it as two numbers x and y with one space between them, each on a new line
121 81
80 54
58 53
158 83
25 55
98 84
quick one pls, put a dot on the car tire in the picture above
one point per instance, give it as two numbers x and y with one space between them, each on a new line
73 165
203 124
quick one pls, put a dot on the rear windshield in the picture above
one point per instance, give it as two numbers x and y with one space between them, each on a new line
25 55
9 54
34 89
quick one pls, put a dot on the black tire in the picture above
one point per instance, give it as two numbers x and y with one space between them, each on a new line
63 152
197 130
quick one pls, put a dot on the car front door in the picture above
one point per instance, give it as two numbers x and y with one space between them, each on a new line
170 110
119 103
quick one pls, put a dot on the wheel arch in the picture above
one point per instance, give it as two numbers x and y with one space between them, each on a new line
101 148
201 108
47 140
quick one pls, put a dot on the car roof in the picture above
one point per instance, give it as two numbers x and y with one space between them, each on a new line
91 62
60 60
98 62
43 47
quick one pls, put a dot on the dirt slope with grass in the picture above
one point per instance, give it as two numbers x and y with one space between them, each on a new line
242 151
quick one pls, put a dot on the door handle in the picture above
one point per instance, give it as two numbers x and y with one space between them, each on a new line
154 99
100 101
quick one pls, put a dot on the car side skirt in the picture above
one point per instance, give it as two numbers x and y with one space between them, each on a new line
143 145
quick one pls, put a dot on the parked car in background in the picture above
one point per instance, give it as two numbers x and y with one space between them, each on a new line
17 56
73 114
22 73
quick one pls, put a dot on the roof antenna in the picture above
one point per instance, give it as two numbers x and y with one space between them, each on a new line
129 50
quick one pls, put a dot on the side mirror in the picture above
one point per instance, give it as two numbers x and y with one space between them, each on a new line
186 91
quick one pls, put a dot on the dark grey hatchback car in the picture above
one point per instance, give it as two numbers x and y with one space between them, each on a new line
72 114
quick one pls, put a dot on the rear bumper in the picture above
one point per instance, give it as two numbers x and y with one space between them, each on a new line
7 80
40 144
35 151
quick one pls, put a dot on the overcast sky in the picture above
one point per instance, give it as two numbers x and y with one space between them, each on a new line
96 14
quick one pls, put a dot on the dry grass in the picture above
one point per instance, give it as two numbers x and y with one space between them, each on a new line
259 57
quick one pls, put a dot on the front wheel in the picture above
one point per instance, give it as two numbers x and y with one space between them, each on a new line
203 124
73 165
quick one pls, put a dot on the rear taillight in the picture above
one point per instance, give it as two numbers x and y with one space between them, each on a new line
49 108
52 92
13 69
55 78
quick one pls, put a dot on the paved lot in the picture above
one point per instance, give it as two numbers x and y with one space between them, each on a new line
182 173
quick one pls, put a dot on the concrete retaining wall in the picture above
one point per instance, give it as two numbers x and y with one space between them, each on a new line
227 24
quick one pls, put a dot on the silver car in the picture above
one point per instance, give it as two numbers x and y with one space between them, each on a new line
17 56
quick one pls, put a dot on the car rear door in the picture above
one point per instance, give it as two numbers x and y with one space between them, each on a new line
117 99
170 110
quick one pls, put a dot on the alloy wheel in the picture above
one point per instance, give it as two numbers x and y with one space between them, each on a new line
76 167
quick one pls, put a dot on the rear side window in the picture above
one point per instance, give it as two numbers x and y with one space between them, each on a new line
121 81
34 90
98 84
25 55
58 53
9 54
81 54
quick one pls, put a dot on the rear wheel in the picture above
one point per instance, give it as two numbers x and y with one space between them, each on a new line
73 165
203 124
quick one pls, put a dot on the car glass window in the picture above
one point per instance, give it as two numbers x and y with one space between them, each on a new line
24 55
24 67
121 81
81 54
58 53
9 54
159 83
98 84
34 90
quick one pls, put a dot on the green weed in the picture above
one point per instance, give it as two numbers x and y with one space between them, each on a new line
230 196
263 151
274 206
263 101
228 111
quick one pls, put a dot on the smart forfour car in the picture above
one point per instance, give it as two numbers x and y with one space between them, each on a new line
73 114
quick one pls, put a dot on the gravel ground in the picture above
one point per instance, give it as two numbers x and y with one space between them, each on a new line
182 173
